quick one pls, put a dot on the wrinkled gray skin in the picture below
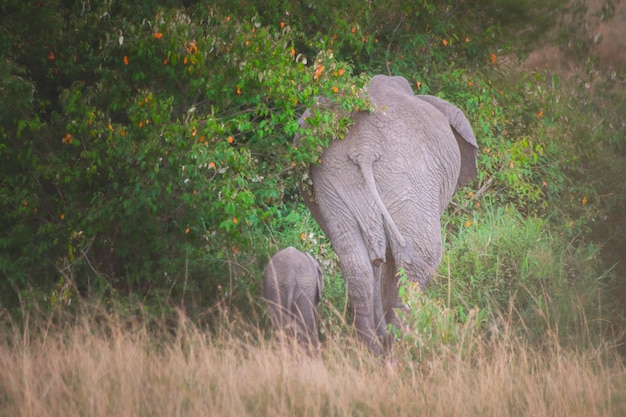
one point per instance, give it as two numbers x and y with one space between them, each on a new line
292 287
379 194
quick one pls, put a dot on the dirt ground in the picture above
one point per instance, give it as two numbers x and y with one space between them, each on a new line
607 38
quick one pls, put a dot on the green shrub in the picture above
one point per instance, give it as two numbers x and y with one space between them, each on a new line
166 154
524 276
433 327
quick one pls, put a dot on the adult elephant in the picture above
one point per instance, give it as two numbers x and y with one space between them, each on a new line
379 194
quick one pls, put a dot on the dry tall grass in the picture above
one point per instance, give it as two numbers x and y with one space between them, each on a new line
112 370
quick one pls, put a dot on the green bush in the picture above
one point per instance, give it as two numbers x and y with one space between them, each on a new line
432 327
524 277
172 146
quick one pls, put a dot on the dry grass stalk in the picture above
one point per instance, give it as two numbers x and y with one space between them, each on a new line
84 371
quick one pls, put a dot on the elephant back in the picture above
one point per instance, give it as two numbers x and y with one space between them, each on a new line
387 92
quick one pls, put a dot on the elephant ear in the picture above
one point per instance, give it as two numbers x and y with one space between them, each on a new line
320 277
464 137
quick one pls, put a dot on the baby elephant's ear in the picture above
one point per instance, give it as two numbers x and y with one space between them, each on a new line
320 278
464 137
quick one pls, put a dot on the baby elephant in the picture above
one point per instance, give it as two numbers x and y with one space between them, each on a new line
292 288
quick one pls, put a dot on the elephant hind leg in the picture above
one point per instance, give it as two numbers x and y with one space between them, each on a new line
352 243
359 277
425 267
419 267
389 290
278 316
421 256
306 322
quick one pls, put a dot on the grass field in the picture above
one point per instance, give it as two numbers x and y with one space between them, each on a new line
115 369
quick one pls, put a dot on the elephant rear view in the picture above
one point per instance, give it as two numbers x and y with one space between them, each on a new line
380 191
292 288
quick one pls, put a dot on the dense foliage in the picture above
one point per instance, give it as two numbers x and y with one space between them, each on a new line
146 148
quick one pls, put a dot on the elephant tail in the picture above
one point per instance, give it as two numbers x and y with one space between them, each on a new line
390 224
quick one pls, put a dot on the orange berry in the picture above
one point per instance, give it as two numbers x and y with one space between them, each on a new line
192 47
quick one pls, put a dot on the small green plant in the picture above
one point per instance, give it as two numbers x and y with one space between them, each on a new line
431 326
